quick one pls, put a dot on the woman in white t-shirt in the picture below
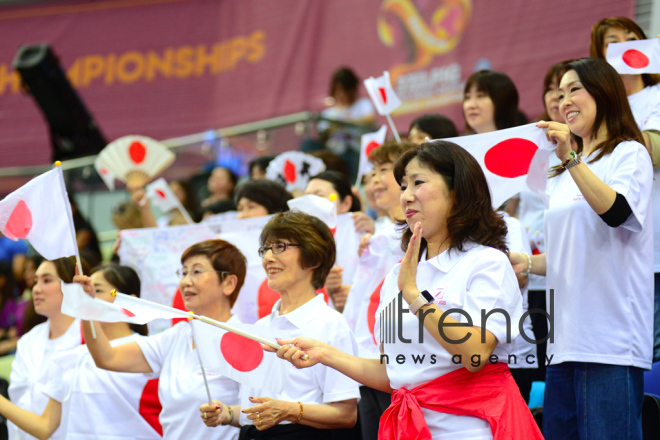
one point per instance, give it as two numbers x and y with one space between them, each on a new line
35 348
444 362
212 275
297 252
598 260
644 97
85 402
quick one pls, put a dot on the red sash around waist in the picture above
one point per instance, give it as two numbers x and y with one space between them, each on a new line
489 394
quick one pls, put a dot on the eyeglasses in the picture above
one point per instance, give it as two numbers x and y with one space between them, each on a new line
196 273
277 248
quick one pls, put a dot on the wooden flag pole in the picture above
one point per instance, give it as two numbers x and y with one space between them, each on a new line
394 132
58 165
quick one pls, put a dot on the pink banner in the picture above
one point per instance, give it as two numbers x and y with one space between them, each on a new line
166 68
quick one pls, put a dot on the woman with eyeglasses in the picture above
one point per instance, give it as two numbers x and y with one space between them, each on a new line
297 252
212 275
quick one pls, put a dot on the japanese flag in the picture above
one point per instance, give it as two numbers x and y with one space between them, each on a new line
316 206
382 94
633 57
242 359
40 212
293 169
370 142
513 160
161 195
77 304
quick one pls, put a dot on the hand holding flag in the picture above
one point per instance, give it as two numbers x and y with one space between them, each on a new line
635 57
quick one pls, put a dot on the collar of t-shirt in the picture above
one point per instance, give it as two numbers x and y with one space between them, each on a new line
303 315
447 260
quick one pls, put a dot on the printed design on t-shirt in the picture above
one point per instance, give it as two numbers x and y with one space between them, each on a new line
578 197
439 295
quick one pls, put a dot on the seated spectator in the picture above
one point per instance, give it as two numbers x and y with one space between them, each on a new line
432 126
184 192
256 198
258 167
221 185
218 208
328 183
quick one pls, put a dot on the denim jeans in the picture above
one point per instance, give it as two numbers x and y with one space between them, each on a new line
656 319
588 401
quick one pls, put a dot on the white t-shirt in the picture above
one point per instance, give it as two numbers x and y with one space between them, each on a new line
318 384
33 354
602 276
97 404
479 278
181 386
645 106
373 266
524 352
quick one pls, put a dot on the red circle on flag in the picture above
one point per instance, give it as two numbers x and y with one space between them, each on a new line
127 313
635 59
510 158
19 223
374 301
160 193
104 171
289 172
137 152
241 353
371 146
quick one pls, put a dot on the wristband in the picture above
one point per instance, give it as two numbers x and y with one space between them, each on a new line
231 416
571 157
529 264
423 299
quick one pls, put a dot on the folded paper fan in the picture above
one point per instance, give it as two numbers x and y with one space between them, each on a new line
135 160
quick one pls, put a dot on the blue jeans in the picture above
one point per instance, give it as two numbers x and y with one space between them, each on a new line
588 401
656 319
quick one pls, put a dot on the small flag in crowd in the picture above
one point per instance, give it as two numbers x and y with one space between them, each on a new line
513 160
161 195
239 358
634 57
107 176
293 169
316 206
38 212
382 94
126 308
369 142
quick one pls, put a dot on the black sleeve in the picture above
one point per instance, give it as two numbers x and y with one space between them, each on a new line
618 213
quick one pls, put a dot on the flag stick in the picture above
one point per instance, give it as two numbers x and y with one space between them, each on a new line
58 165
199 356
394 132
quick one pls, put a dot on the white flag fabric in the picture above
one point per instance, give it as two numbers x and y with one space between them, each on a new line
39 212
369 142
382 94
242 359
293 169
316 206
513 160
635 57
107 175
77 304
161 195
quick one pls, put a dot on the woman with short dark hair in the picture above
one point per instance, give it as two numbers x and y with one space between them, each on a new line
297 252
459 386
212 274
431 126
598 223
256 198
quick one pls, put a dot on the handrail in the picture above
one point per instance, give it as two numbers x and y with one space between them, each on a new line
182 141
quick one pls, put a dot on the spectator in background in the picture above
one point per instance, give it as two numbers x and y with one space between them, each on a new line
12 307
432 126
218 208
221 185
328 183
13 252
490 102
347 107
183 191
332 161
258 167
257 198
88 242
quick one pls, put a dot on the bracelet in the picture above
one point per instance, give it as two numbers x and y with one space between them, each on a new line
572 163
570 158
299 415
529 264
231 416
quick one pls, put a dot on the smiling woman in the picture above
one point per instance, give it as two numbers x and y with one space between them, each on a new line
297 252
598 222
212 275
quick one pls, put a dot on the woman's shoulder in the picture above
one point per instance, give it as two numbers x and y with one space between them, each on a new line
38 332
478 256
